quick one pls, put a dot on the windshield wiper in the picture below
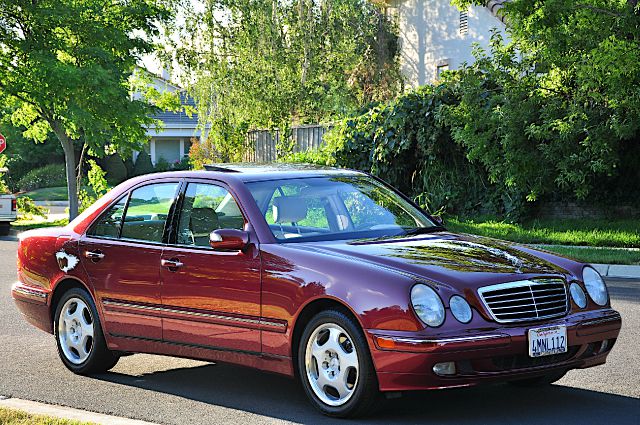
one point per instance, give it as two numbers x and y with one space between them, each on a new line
424 230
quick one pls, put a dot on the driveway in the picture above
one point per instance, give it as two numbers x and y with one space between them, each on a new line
176 391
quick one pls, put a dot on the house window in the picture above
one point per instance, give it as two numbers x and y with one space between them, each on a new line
464 23
440 68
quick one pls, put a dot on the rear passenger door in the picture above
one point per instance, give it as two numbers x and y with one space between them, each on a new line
211 299
121 253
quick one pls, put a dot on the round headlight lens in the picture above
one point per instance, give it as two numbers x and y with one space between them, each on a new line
460 309
427 305
578 295
595 286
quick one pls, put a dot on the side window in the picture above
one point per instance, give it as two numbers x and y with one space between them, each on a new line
206 207
148 211
109 224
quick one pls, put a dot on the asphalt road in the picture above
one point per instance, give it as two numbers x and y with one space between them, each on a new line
176 391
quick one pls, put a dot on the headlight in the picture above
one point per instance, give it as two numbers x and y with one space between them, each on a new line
427 305
578 295
460 309
595 286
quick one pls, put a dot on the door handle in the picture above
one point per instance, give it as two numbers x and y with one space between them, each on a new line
171 264
94 255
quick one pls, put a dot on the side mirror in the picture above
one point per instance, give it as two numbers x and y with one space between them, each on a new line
228 239
438 219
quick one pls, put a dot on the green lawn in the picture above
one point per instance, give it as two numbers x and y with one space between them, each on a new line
597 255
18 417
22 225
604 233
48 194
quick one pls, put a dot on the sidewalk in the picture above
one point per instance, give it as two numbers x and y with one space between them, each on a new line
618 271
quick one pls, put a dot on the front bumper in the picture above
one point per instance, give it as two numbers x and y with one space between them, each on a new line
405 361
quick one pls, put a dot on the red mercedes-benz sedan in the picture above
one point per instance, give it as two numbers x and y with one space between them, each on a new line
325 274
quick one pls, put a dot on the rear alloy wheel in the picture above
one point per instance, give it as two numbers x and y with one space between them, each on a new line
335 366
81 344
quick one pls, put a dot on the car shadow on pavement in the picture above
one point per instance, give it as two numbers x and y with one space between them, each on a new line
279 397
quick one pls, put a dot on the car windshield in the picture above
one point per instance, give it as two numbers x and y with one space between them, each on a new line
332 208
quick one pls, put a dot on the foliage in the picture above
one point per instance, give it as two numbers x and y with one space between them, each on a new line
114 168
408 144
68 65
27 208
143 164
268 64
3 185
97 185
51 175
24 154
556 111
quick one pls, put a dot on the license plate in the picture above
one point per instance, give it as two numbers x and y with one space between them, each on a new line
547 341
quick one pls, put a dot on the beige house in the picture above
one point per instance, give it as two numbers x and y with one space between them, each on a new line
436 36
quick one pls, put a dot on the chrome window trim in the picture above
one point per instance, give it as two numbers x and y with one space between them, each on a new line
528 283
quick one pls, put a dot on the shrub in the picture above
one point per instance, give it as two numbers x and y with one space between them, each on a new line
52 175
408 144
143 164
27 208
162 165
115 168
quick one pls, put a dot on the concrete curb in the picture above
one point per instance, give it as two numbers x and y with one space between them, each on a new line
36 408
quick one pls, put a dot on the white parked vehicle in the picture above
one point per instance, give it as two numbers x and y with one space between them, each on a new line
8 210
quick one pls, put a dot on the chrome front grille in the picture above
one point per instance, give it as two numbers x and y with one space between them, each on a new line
525 300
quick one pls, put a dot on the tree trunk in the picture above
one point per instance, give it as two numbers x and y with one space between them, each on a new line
70 166
72 187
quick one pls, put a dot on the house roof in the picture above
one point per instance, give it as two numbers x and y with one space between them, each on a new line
495 6
180 118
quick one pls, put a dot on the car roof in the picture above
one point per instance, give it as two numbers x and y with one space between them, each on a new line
250 172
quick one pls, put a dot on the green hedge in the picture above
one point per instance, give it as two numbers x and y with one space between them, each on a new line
408 143
52 175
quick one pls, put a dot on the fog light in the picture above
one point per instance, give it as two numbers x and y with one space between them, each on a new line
445 369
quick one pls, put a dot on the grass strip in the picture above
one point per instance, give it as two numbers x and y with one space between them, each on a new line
587 232
18 417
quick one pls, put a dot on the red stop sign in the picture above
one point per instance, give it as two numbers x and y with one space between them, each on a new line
3 143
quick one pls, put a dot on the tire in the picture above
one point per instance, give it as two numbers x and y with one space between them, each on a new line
335 367
4 229
81 344
539 381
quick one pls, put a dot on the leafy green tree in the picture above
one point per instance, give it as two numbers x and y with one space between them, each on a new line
557 108
270 63
68 63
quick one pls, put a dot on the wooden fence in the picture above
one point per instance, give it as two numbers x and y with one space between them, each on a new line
264 145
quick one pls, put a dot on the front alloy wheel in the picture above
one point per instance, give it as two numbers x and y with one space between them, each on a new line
78 333
335 366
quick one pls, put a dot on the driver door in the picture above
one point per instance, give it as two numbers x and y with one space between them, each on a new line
211 298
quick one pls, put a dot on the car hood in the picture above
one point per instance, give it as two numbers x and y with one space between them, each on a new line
459 260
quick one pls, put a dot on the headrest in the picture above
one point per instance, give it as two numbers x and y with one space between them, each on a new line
204 220
289 209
